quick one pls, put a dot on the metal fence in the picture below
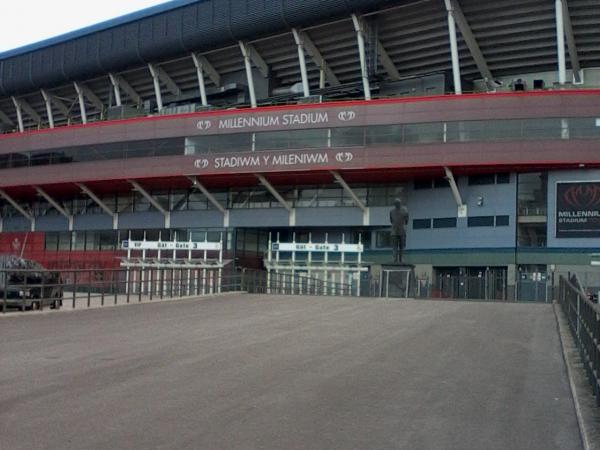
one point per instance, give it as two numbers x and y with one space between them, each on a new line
79 288
584 321
262 282
91 288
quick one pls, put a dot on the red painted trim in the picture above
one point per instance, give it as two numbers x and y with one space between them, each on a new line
335 104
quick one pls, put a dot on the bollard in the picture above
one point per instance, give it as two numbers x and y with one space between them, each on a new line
74 288
89 289
5 294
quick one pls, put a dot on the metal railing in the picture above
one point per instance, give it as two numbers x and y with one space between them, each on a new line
78 288
92 288
262 282
583 317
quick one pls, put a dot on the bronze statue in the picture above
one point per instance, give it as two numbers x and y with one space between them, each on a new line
398 219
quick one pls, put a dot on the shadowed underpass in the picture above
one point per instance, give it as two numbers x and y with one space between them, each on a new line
253 372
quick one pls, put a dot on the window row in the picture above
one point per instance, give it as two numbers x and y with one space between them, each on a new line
191 200
371 136
450 222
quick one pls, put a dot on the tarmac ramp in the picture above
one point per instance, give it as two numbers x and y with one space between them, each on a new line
274 372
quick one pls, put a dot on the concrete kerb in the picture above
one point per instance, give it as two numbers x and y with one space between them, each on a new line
588 414
48 310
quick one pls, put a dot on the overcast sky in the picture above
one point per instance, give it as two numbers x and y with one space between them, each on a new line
24 22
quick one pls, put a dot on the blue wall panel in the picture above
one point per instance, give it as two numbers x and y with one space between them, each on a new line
498 199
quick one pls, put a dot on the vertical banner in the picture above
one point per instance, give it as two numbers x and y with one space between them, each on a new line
578 209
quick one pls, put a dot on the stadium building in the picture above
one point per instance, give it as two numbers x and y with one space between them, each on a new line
249 119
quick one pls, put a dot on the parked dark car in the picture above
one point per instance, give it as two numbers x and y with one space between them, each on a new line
25 283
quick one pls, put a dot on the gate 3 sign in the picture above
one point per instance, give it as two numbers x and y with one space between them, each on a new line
578 210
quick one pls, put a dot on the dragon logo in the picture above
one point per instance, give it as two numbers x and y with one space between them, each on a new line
204 125
347 116
583 196
344 157
201 163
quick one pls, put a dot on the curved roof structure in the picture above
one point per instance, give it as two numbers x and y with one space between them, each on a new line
497 39
164 31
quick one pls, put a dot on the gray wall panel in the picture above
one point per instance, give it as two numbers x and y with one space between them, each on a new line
274 217
326 217
196 219
93 222
140 220
51 223
16 223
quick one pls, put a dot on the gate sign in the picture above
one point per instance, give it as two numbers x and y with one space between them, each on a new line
578 209
323 248
170 245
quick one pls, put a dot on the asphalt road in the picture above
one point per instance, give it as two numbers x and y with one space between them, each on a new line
255 372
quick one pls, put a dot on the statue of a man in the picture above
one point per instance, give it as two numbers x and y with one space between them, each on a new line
398 219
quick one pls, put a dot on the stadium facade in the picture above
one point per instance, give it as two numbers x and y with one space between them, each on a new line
249 118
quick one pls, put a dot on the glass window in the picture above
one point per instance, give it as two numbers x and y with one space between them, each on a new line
503 178
441 183
477 180
383 239
421 224
532 194
107 240
502 221
64 241
423 184
51 241
445 222
348 137
385 134
273 140
480 221
423 133
583 127
316 138
92 241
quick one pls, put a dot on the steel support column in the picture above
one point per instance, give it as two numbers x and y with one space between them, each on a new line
116 89
302 61
454 48
48 102
357 201
153 202
100 203
211 198
454 187
560 42
280 199
200 74
81 99
19 208
61 209
19 110
249 76
157 92
360 36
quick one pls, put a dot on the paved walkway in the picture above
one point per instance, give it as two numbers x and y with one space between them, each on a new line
255 372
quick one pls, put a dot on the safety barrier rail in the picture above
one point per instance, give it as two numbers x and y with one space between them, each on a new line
262 282
91 288
76 288
584 321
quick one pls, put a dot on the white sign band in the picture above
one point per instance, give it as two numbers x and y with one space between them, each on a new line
323 248
169 245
